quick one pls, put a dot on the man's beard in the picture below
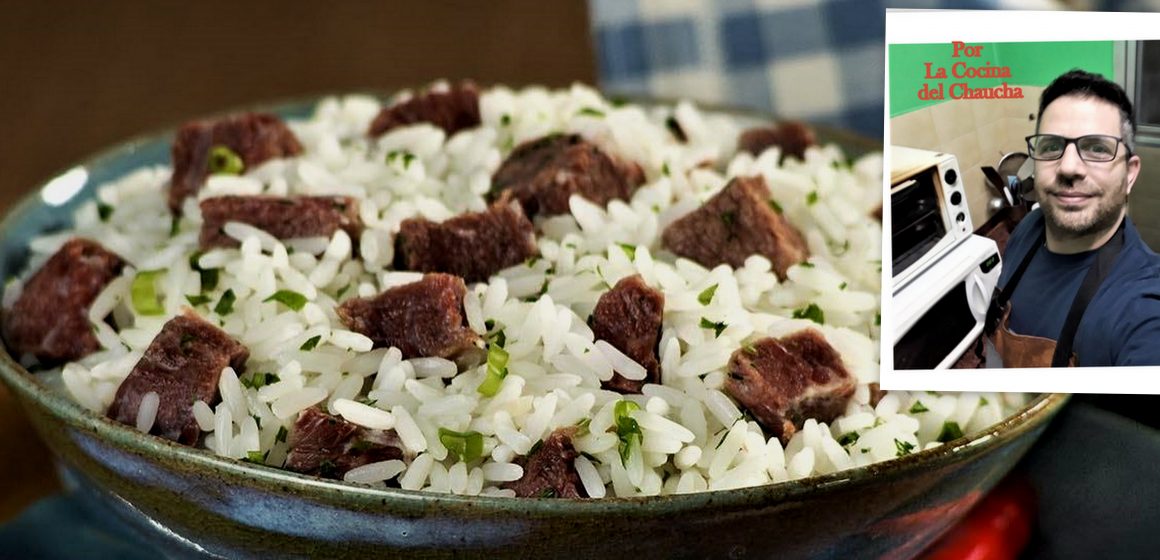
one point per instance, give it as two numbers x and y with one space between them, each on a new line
1103 217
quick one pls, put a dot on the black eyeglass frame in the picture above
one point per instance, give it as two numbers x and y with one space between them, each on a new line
1067 141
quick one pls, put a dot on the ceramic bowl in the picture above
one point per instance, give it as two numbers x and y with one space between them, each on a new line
193 503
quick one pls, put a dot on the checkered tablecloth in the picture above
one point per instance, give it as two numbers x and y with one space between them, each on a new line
819 60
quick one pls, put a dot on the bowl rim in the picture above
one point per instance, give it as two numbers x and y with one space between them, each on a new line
59 406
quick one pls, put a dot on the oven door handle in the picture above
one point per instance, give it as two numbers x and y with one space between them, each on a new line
977 296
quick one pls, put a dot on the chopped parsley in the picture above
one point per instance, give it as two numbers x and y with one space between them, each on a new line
811 312
806 264
845 248
225 305
591 112
104 211
627 429
224 161
706 295
717 327
629 250
143 293
406 156
918 408
342 291
209 276
497 359
465 446
983 401
665 169
505 119
774 206
259 380
842 286
256 457
848 438
289 298
903 448
311 343
812 198
675 129
877 319
199 299
950 432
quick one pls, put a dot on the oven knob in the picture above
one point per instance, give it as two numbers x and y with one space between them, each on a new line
951 176
961 217
956 198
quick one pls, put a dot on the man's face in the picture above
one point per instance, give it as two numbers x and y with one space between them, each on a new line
1079 197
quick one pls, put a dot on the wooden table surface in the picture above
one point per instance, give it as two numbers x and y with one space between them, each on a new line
80 76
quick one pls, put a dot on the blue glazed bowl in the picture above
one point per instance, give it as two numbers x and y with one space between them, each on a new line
193 503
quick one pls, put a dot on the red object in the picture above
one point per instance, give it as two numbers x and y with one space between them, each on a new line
998 528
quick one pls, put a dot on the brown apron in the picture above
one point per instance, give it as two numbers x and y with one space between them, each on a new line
1026 351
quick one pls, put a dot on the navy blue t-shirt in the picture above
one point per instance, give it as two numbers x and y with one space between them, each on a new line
1122 323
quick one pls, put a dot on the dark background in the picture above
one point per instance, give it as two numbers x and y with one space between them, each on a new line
77 77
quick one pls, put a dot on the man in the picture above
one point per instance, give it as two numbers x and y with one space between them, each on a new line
1079 286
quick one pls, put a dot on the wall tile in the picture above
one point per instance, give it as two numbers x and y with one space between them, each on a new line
914 129
952 119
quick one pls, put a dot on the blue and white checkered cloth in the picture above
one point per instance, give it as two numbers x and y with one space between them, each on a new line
817 60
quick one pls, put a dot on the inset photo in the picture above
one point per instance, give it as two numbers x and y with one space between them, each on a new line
1024 188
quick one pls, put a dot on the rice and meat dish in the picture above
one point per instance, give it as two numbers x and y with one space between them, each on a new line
489 292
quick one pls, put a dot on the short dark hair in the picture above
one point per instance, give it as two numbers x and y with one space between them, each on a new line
1087 84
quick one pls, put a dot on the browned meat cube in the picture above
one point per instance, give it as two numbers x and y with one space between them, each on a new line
253 137
736 223
473 246
50 319
629 317
282 217
182 365
328 446
549 471
793 137
452 110
423 318
782 382
542 174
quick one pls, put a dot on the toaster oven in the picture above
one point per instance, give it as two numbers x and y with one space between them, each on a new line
929 213
940 314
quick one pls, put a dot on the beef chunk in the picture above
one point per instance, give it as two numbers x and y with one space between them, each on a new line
542 174
474 245
423 318
549 471
735 223
254 137
182 365
793 137
282 217
629 317
328 446
50 319
452 110
782 382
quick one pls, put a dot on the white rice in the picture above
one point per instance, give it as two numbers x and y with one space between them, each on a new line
147 411
694 437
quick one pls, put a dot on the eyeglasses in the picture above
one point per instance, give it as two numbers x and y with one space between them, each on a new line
1091 148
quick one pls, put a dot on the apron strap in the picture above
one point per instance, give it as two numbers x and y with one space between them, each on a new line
1105 258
